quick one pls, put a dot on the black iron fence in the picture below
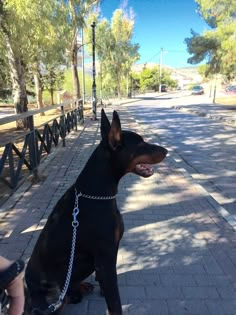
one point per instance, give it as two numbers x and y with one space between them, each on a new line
27 150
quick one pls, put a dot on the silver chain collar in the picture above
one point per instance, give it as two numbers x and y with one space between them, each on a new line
94 197
75 223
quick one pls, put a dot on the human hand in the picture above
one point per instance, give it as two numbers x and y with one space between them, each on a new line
11 281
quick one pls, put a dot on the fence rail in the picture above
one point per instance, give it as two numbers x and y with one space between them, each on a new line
37 142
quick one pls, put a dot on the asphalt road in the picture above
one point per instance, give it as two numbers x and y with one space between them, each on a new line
207 146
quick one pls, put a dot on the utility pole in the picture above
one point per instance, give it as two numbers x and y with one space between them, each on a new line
94 96
160 69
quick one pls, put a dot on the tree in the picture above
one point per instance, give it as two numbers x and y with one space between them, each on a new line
30 31
37 34
53 79
47 43
75 12
135 81
5 80
203 70
12 39
218 45
114 48
150 80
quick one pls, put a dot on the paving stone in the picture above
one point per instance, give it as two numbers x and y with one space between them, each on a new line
187 307
222 307
177 280
178 255
147 307
163 292
200 292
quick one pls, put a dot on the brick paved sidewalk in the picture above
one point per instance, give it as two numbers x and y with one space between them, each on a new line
177 256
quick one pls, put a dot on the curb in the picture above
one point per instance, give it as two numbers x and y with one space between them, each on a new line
204 114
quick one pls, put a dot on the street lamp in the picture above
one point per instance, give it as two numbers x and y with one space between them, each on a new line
83 70
94 96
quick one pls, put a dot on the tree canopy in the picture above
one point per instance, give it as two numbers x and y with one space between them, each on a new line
150 79
217 46
114 47
38 36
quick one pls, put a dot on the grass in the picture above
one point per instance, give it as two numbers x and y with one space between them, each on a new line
229 100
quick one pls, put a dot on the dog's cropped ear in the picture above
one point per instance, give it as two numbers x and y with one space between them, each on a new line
114 135
105 125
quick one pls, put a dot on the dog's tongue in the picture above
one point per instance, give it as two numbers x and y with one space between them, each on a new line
144 170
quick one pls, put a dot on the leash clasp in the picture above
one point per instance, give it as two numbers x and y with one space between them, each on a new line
75 222
55 306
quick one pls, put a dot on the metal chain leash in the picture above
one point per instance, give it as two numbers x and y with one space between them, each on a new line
75 223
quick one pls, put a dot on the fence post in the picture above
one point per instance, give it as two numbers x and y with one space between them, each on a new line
33 147
81 111
63 126
75 113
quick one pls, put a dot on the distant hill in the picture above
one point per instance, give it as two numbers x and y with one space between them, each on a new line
190 73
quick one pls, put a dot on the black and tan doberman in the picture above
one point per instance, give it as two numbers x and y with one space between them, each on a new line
100 225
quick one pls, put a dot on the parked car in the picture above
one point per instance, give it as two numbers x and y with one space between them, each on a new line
163 88
197 90
230 88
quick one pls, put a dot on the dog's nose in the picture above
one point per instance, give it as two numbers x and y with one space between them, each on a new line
165 151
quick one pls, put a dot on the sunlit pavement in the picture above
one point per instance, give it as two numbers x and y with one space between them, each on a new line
205 147
178 253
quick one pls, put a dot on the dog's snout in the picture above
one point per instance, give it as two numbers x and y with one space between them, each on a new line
165 151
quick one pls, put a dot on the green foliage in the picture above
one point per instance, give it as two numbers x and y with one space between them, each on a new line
217 11
135 77
166 79
41 34
53 78
218 45
68 82
203 70
115 51
5 80
150 79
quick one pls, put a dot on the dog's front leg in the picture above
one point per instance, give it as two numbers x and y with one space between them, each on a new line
107 278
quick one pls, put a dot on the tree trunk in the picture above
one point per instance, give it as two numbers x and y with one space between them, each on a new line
52 96
18 83
74 64
38 88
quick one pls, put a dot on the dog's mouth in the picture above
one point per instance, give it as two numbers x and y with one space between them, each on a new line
144 170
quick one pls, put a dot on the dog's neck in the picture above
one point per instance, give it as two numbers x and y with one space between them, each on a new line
98 176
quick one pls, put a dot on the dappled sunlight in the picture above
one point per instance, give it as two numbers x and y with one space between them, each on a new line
35 227
206 147
170 243
169 227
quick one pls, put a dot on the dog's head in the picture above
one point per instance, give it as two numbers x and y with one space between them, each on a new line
129 152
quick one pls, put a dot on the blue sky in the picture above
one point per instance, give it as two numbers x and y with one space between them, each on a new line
161 24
